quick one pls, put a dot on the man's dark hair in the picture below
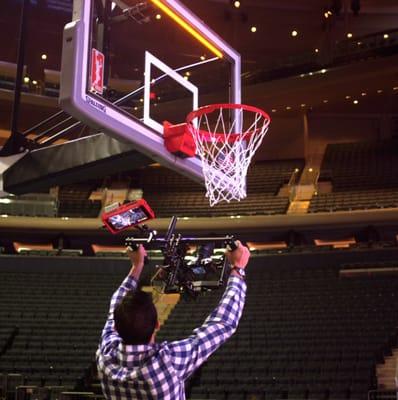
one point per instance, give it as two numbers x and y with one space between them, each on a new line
136 317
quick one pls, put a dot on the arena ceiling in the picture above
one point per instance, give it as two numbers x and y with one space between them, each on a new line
274 20
271 44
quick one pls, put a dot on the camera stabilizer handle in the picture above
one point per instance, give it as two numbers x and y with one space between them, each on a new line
151 237
175 273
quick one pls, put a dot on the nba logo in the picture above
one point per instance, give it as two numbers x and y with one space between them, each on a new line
97 71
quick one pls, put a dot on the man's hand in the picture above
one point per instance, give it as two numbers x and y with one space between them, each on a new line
239 257
137 258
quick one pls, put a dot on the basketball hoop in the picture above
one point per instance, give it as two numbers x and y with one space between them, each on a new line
226 137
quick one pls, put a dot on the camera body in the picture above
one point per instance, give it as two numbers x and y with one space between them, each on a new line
178 273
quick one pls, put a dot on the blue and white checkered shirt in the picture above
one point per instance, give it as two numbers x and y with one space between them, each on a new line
158 371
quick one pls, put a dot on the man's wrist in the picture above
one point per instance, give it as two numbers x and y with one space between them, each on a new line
135 271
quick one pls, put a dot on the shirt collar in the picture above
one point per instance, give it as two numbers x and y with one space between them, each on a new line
138 350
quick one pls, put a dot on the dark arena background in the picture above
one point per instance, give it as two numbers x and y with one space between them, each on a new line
320 216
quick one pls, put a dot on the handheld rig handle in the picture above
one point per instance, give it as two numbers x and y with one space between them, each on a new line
231 244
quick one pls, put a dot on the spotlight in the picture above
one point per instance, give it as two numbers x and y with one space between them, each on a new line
355 6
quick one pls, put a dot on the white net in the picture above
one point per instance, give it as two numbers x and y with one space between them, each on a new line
227 136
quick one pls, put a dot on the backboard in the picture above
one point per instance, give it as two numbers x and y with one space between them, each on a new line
129 65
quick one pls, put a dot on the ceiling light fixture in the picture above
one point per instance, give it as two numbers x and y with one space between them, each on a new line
355 101
363 94
326 101
323 71
180 21
349 35
253 29
386 36
236 4
380 91
294 33
158 16
44 56
316 50
348 97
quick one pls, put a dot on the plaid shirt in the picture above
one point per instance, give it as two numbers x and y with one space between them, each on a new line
158 371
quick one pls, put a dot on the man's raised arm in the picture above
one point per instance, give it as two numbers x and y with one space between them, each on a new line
129 284
221 324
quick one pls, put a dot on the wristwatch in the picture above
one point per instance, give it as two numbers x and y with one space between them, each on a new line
241 272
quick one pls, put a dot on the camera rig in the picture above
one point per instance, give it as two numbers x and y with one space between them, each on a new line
176 274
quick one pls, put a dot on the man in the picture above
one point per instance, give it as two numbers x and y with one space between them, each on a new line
132 366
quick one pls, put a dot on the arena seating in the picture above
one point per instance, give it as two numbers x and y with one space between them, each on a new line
358 200
361 165
172 194
363 176
306 332
33 205
79 208
74 202
51 327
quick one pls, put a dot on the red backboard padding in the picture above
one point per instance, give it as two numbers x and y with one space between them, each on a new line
178 140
